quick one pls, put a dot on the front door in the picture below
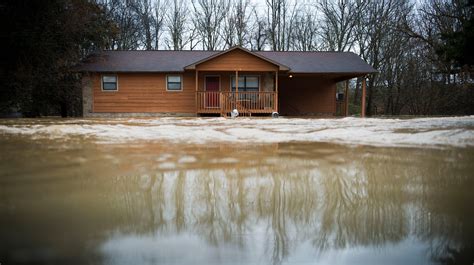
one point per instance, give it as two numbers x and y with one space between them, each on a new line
212 86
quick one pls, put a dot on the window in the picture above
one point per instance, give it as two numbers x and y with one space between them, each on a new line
246 83
174 83
109 83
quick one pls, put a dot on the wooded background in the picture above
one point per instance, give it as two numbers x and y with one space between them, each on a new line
423 50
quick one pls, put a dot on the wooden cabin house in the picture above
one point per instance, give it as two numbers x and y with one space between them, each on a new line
194 83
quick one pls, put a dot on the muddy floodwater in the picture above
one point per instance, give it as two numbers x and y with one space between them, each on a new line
214 191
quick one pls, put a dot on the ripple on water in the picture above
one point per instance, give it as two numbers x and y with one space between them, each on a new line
187 159
431 132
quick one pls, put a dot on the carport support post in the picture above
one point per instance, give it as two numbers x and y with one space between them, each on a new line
362 114
346 99
276 91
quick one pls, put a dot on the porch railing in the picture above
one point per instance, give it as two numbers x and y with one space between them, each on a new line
245 102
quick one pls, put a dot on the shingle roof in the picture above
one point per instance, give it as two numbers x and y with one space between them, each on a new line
176 61
142 61
320 62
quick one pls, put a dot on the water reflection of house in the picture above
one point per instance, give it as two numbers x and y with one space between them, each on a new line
356 204
209 82
319 197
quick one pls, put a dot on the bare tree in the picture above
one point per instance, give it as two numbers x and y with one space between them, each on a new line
274 20
229 28
193 38
304 35
375 42
438 23
236 28
143 9
128 26
258 35
339 21
242 19
208 19
151 15
160 11
176 25
444 31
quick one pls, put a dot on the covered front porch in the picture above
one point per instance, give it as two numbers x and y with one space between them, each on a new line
250 92
247 103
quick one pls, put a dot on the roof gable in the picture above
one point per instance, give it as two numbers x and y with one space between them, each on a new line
280 66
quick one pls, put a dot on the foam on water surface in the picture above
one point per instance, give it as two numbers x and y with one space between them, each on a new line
444 131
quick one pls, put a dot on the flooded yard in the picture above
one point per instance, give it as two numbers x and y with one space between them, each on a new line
244 191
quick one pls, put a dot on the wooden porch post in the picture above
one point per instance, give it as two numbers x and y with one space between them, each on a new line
197 96
362 114
346 99
276 91
236 88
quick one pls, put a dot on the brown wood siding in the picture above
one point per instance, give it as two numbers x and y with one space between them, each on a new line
236 60
145 92
307 95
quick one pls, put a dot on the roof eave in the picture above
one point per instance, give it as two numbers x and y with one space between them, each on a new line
334 73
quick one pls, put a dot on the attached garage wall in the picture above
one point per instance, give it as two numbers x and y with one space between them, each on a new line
307 95
144 93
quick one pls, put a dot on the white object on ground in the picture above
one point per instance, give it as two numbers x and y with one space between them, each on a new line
234 113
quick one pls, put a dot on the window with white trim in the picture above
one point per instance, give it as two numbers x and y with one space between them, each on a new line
109 83
174 83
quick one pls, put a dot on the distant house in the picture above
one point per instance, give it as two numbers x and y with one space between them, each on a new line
193 83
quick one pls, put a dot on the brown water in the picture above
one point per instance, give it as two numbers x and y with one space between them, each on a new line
79 201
